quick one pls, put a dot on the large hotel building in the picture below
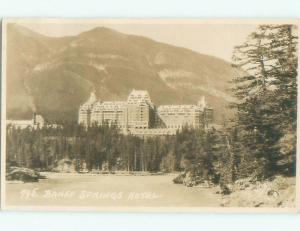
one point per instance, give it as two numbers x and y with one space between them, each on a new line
139 116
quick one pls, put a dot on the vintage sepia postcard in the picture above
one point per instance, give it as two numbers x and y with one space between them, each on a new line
162 115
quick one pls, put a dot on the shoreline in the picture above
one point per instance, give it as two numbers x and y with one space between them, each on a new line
106 173
117 173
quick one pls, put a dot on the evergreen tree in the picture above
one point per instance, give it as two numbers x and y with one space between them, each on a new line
266 93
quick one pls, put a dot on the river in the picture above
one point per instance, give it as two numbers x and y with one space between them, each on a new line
87 190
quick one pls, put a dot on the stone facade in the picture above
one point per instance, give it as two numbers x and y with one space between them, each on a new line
85 110
139 115
178 116
137 112
109 113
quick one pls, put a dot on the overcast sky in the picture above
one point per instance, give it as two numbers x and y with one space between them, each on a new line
212 39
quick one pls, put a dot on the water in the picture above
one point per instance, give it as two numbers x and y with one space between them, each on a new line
88 190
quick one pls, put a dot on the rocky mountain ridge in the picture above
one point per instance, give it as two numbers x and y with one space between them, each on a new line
53 76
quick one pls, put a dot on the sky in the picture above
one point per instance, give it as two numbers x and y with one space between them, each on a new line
216 39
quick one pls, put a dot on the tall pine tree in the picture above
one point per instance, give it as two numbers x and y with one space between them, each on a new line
266 93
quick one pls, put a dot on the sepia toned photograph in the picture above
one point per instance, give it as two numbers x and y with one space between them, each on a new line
149 115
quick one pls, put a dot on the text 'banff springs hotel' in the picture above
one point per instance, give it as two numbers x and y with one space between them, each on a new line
139 116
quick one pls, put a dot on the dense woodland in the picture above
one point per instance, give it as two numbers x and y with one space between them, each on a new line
259 142
42 148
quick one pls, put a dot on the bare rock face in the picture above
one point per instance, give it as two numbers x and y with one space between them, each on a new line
226 189
190 180
242 184
277 192
179 179
23 174
65 165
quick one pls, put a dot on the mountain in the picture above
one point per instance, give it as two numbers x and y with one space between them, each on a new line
53 76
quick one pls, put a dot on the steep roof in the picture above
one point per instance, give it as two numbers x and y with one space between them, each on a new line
89 103
139 96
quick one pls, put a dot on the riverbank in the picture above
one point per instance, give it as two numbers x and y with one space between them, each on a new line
278 192
116 173
145 189
19 174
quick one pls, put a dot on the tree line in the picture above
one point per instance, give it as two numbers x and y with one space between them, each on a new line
43 148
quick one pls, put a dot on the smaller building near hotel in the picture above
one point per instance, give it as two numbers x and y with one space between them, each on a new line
35 122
